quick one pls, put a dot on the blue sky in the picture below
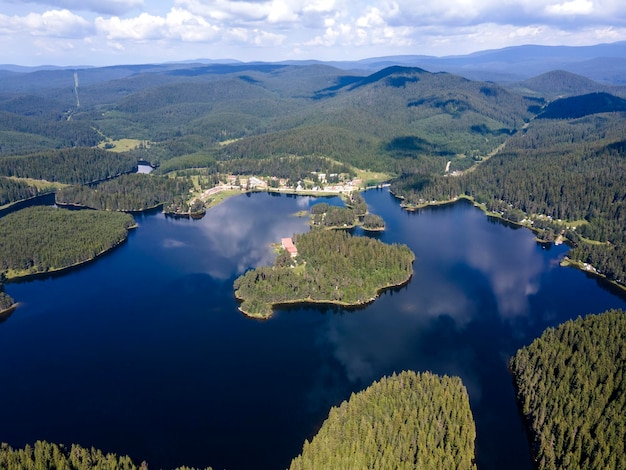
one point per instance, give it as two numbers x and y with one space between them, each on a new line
107 32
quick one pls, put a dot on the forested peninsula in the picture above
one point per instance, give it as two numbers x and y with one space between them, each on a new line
571 385
323 215
44 239
129 193
406 421
6 301
330 267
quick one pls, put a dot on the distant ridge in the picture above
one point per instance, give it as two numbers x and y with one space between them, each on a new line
603 63
583 105
559 84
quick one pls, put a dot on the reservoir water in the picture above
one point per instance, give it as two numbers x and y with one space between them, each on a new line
143 352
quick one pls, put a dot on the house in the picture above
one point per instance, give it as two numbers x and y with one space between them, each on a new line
254 182
289 246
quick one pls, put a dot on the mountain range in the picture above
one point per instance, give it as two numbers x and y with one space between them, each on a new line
604 63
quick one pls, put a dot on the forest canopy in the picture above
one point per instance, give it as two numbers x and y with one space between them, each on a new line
406 421
134 192
41 239
70 165
571 385
49 456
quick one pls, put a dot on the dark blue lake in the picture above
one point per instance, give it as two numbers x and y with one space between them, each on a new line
143 352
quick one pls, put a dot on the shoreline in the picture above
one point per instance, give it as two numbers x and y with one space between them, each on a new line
340 303
566 262
55 271
78 206
6 313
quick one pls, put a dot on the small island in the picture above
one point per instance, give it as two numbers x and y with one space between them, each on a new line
324 266
324 215
44 239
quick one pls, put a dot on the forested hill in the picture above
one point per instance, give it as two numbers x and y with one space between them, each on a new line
583 105
405 421
269 110
572 389
396 119
561 177
71 166
560 84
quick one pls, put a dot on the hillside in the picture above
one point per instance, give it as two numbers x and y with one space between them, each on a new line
572 390
391 119
558 177
394 118
405 421
559 84
583 105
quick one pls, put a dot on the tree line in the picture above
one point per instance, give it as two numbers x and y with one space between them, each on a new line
331 267
59 133
42 238
133 192
571 386
69 165
13 190
406 421
49 456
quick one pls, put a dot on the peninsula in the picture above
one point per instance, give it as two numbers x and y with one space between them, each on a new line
44 239
330 267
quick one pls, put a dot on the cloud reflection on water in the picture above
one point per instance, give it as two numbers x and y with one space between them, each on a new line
240 232
513 271
464 276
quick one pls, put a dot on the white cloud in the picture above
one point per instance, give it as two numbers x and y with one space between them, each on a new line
503 12
226 10
575 7
142 27
188 27
282 12
178 24
320 6
372 18
54 23
107 7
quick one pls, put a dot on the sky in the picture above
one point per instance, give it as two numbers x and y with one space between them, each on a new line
109 32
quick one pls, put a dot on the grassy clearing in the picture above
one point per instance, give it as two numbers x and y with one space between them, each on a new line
41 185
372 177
215 199
122 145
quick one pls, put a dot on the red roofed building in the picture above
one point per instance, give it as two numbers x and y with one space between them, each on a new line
289 246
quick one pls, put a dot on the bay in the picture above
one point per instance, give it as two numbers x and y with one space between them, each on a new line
143 352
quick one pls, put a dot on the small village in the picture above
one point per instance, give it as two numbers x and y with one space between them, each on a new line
319 185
